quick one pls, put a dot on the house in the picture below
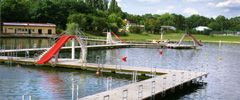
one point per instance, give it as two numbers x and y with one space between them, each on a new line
170 27
129 23
10 28
202 28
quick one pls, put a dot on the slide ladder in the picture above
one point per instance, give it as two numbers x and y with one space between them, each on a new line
194 40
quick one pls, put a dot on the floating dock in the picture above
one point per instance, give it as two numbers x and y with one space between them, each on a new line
162 79
90 46
176 46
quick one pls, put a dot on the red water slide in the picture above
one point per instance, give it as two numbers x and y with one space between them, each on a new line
195 40
118 37
54 49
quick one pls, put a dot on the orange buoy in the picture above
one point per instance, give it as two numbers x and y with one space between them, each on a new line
124 58
18 65
160 52
29 71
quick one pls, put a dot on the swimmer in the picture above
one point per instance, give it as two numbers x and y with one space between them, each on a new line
98 72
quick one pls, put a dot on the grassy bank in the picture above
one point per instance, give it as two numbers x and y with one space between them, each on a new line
176 36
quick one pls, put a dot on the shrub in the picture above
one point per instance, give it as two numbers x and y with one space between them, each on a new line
135 29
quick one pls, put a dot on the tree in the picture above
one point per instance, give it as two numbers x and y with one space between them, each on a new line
99 23
114 8
166 19
80 19
98 4
179 21
45 12
113 18
135 29
152 26
71 28
15 10
196 20
214 26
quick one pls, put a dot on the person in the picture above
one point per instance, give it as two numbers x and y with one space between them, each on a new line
98 72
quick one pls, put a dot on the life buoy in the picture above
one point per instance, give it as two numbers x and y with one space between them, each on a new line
160 52
124 58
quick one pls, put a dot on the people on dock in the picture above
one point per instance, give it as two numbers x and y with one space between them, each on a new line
99 72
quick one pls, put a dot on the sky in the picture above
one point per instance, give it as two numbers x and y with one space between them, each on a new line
207 8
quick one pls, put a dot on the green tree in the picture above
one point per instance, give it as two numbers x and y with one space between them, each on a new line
196 20
114 8
135 29
223 22
45 12
71 28
80 19
113 18
99 23
214 26
166 19
15 11
179 21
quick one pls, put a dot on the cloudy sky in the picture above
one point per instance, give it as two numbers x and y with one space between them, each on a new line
208 8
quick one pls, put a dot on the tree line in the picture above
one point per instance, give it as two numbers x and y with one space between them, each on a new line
96 15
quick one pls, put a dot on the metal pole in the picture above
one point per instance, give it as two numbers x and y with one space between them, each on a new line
73 49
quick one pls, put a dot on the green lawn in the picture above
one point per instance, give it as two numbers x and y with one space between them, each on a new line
176 36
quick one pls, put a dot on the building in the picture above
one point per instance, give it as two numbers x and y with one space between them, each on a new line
202 28
129 23
170 27
28 28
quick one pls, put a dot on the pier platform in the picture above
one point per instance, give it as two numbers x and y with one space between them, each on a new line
162 81
78 47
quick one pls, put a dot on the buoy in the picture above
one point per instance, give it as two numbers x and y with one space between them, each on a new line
160 52
220 58
205 54
195 51
18 65
29 71
124 58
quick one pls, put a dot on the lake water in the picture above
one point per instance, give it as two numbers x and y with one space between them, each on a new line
49 83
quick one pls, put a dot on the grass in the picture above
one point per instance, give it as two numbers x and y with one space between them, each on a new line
175 36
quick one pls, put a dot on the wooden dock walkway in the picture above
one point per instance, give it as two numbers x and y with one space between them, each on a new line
168 79
77 47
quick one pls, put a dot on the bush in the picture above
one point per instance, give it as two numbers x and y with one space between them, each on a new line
113 27
135 29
